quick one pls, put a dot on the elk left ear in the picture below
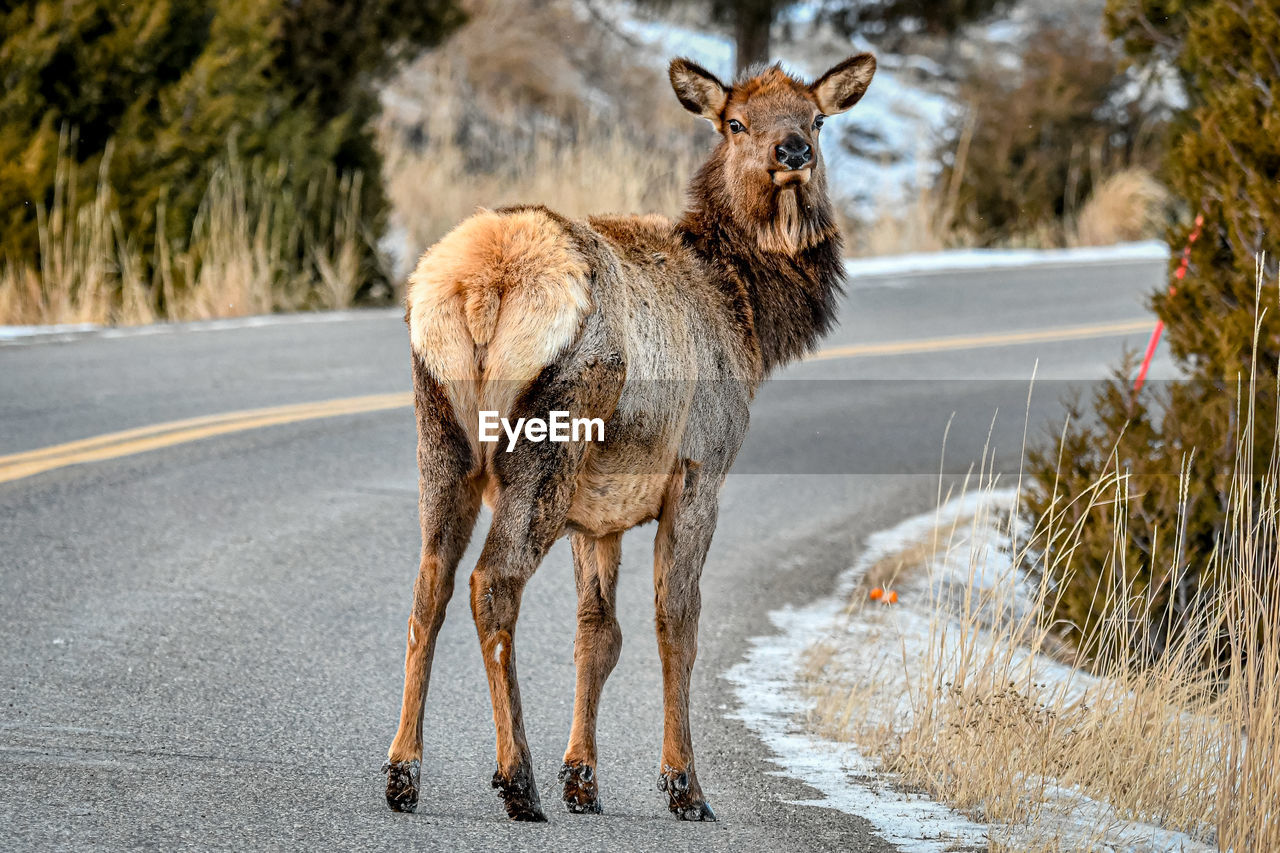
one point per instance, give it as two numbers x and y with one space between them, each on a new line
842 86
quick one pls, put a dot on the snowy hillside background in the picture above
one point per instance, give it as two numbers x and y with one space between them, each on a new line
566 103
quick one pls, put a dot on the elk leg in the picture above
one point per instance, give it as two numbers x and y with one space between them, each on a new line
685 528
538 482
595 653
522 532
449 499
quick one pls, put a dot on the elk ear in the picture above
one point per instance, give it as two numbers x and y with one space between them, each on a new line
698 89
842 86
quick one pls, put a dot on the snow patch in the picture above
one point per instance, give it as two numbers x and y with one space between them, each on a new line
960 260
877 640
49 334
772 706
14 333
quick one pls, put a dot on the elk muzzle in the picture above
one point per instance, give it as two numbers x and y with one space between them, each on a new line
793 152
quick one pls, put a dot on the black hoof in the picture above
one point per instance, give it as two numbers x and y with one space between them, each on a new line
684 797
581 793
402 784
519 795
697 811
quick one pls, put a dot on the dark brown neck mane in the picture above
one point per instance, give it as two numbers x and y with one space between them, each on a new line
792 295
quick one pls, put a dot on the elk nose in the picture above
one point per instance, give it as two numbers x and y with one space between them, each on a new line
794 152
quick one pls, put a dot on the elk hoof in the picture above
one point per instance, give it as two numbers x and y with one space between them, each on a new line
684 797
519 795
402 784
698 811
581 794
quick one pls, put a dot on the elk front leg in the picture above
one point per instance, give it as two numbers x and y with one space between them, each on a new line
595 653
685 528
449 500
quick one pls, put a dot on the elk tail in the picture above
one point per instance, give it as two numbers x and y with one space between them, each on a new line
493 303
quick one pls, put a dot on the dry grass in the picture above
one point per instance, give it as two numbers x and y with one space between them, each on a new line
1129 205
537 106
241 257
605 170
983 718
894 231
886 572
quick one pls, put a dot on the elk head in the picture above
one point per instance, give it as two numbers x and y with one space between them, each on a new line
767 173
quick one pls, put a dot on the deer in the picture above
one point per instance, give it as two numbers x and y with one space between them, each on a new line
664 329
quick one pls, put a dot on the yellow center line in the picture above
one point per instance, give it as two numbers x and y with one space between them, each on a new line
141 439
150 430
957 342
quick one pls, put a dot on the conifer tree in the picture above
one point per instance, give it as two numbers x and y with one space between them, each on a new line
1224 162
171 88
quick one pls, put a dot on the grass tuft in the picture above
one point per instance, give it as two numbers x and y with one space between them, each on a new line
241 257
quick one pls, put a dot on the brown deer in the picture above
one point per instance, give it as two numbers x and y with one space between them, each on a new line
663 329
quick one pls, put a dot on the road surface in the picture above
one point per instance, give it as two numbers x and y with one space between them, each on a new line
201 644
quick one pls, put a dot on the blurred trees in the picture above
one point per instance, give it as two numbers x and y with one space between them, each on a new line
331 52
1152 30
1037 137
890 23
886 22
1224 161
154 94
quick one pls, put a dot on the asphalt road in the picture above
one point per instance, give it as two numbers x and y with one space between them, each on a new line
201 645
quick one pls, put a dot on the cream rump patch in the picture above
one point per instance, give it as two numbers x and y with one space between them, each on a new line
496 300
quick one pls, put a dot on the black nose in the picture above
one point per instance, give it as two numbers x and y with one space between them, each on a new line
794 152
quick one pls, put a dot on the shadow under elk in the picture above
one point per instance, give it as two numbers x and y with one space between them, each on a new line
663 329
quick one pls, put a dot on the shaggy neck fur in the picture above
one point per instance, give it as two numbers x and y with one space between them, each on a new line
784 255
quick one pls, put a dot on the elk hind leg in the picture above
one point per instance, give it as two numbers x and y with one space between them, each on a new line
538 483
595 653
449 500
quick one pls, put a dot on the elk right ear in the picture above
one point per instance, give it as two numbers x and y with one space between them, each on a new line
698 89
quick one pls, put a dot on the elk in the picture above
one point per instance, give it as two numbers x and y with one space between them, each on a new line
664 330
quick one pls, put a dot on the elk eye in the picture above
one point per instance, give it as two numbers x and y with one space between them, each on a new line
736 126
817 122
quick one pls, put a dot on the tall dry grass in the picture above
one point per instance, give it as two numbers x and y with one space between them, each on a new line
252 249
531 103
988 718
1129 205
604 170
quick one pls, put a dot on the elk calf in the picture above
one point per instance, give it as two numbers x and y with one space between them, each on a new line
662 330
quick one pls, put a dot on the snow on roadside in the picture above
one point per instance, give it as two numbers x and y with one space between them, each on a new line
773 706
74 331
15 333
958 260
877 641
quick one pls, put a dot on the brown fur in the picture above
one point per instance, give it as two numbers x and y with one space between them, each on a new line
664 330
